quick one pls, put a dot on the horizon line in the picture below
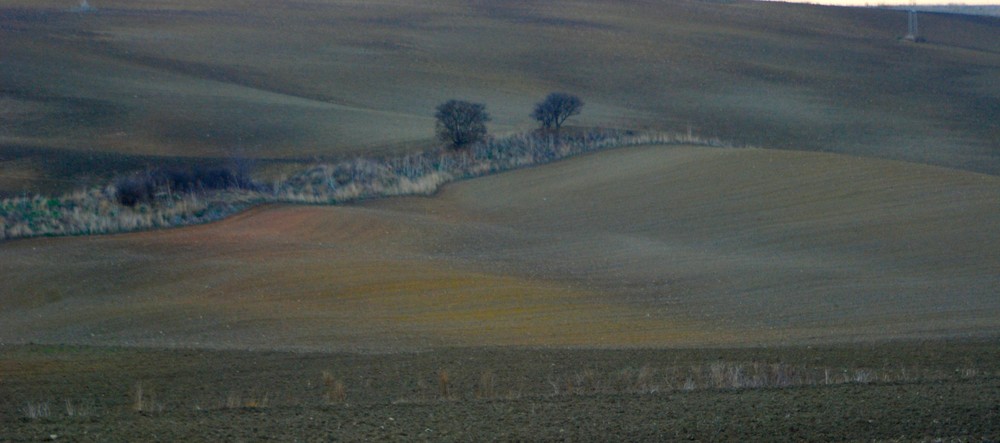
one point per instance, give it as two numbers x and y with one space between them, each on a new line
892 3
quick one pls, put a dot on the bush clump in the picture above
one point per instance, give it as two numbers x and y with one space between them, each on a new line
168 197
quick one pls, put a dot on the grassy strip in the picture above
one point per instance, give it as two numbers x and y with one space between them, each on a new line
102 211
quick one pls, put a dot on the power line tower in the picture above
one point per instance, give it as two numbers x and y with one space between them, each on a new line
912 34
84 7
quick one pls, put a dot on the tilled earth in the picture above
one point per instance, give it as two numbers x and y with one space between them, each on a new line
896 391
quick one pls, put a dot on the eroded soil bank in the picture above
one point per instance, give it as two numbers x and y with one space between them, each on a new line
898 391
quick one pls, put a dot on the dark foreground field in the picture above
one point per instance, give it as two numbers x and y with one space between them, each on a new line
895 391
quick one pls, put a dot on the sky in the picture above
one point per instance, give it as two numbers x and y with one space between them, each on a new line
897 2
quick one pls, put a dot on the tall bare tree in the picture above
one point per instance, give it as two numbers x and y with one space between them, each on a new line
461 123
556 108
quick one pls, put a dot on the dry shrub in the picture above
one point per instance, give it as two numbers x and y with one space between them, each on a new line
969 373
333 389
79 409
644 380
689 385
234 400
144 400
35 411
257 402
444 384
167 198
864 376
584 381
784 375
752 375
730 376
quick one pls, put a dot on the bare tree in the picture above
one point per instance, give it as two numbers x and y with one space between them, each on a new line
461 123
556 108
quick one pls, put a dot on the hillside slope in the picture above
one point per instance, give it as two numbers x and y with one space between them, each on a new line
657 246
305 78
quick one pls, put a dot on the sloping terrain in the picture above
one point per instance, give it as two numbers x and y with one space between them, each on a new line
776 243
656 246
85 95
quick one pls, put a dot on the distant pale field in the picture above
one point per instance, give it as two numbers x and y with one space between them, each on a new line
654 247
337 78
894 2
891 2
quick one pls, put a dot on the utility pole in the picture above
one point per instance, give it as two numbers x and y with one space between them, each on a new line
912 34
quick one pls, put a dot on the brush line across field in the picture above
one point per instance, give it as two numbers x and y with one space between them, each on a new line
117 207
900 391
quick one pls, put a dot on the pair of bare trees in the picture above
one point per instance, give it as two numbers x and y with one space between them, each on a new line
461 123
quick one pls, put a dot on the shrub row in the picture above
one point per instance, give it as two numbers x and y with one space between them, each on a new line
167 198
424 172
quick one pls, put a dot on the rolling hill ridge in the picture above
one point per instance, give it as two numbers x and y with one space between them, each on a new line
212 80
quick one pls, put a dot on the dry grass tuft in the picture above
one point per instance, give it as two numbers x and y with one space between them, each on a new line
444 384
35 411
144 400
486 389
234 400
583 382
333 389
79 409
724 375
259 402
689 384
864 376
644 380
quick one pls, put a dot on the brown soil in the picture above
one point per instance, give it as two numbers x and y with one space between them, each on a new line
650 247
